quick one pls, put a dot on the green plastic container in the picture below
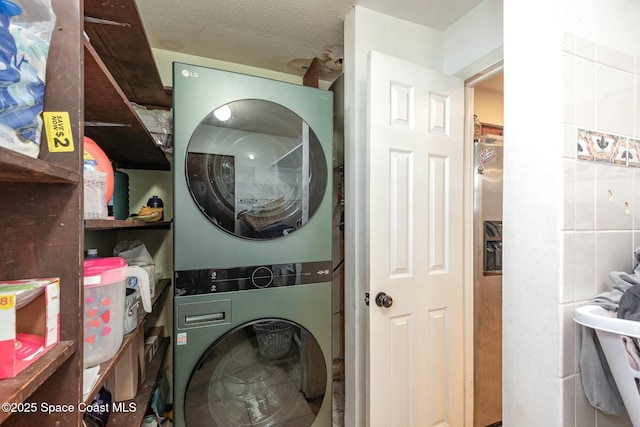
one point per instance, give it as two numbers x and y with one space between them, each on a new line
120 200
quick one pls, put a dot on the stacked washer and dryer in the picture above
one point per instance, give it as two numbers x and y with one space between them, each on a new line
252 242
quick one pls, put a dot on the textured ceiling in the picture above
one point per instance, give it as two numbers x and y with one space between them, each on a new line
278 35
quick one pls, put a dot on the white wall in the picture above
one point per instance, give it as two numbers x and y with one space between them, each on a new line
474 42
488 105
563 233
533 117
612 23
165 58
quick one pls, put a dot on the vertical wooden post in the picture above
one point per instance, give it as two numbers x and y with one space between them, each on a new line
311 76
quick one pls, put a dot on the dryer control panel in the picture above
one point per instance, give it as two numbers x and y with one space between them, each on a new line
216 280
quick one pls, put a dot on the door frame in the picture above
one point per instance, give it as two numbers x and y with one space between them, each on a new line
469 296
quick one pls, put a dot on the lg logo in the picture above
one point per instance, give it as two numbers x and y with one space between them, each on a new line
187 73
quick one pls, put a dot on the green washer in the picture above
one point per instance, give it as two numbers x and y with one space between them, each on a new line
252 250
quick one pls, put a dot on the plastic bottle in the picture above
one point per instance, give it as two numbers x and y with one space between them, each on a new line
155 202
92 254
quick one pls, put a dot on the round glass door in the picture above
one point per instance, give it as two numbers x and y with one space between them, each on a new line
270 372
256 169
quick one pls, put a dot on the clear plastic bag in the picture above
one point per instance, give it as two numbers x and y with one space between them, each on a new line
159 123
26 27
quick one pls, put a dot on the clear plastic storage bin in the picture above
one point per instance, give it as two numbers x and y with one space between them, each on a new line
104 305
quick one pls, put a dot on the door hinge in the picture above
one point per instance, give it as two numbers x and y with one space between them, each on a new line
366 298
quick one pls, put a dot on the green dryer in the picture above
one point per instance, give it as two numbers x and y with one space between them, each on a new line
252 251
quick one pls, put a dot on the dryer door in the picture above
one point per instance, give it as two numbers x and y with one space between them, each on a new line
268 372
256 169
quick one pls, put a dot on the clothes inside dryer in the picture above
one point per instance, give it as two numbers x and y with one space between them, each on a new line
266 373
256 169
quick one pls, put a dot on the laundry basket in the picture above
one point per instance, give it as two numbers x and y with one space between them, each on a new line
609 331
274 339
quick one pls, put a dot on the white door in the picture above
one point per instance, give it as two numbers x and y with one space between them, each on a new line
415 242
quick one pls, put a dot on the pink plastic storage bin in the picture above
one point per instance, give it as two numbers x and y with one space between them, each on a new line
105 282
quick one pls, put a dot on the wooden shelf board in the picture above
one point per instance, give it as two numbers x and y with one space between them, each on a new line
19 388
124 48
145 391
108 224
112 123
107 367
16 167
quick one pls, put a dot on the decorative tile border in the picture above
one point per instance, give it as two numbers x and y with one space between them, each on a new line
633 147
602 147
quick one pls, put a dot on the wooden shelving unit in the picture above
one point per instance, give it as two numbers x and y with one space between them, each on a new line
120 70
41 230
41 223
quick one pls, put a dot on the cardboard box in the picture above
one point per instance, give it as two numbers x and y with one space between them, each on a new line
153 342
148 353
153 337
29 322
142 371
126 376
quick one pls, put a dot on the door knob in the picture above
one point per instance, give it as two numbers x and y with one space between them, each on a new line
384 300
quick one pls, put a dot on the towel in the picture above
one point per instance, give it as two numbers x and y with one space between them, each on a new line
597 382
630 309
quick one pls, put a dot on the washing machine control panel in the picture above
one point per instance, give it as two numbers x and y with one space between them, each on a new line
262 277
216 280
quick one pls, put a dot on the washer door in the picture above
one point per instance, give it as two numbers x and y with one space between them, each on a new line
256 169
268 372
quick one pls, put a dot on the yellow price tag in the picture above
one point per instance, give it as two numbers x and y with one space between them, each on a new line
59 132
7 301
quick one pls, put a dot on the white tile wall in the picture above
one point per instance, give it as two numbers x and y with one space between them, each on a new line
636 199
614 197
604 420
585 271
614 100
585 49
569 64
585 195
585 84
615 58
567 269
637 98
567 342
602 93
568 387
585 414
568 202
613 253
